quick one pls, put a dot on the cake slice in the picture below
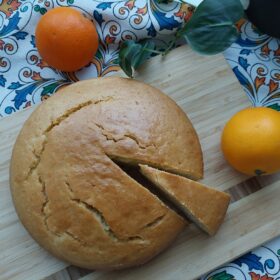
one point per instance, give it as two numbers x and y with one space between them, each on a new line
205 206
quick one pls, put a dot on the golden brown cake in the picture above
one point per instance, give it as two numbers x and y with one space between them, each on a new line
205 206
70 194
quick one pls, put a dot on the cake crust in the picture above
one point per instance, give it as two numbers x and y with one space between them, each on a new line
71 196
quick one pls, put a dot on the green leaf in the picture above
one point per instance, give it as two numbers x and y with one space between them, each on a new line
133 54
49 88
211 28
221 276
164 1
274 106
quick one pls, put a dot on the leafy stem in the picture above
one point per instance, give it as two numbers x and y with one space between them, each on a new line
210 30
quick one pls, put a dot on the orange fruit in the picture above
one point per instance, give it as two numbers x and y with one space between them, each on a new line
251 141
66 39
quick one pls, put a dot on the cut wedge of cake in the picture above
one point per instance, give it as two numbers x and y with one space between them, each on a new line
205 206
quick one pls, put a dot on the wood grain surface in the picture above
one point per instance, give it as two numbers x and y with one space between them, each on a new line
207 90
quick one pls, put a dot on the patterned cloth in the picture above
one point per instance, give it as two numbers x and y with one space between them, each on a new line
261 264
255 60
26 80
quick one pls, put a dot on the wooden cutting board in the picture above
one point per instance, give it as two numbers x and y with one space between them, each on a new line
208 91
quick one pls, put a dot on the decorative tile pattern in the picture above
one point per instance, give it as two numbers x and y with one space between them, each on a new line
260 264
25 79
255 60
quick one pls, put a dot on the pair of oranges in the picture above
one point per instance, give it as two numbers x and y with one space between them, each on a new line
66 39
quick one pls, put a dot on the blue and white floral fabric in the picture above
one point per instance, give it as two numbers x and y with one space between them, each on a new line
26 80
255 60
262 263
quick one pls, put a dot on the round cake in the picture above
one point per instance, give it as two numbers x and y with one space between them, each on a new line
69 191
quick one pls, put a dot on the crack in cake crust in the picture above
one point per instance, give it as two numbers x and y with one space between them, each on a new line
100 218
55 123
76 238
102 221
155 222
110 137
